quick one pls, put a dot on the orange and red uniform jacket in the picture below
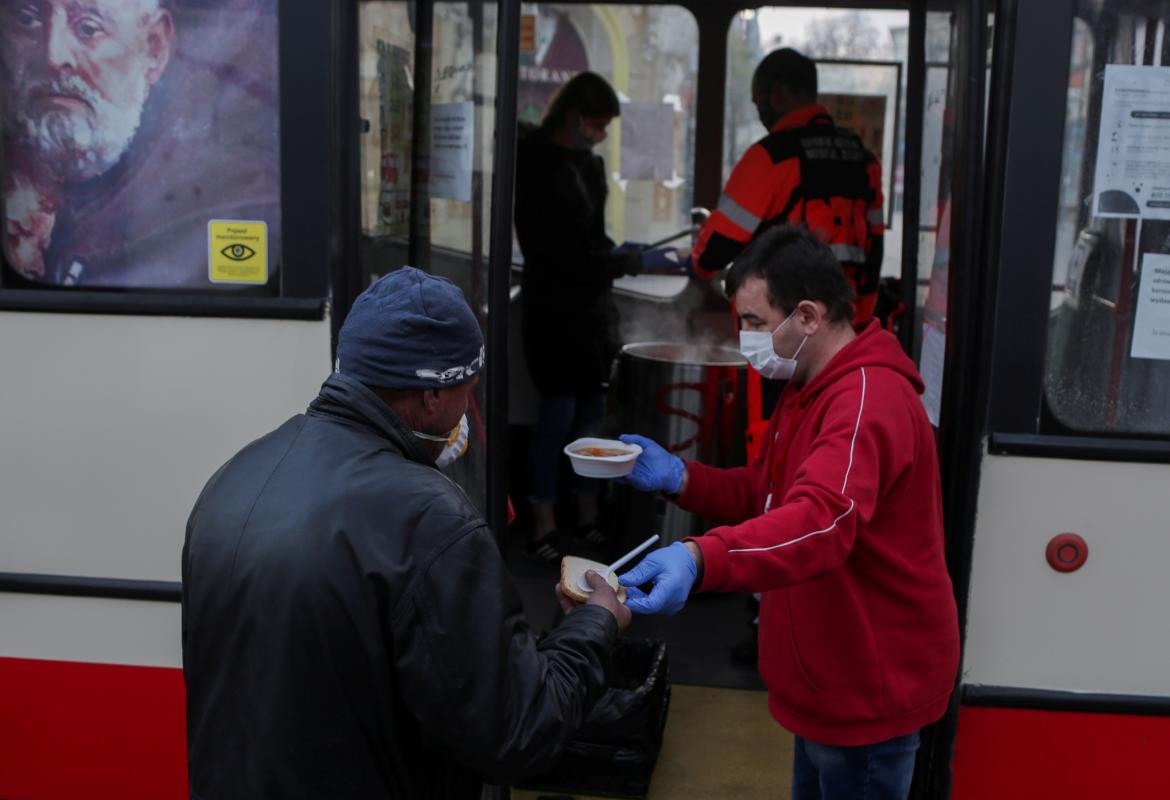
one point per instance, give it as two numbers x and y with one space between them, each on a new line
806 171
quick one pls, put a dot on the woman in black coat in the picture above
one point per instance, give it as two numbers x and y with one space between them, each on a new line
570 321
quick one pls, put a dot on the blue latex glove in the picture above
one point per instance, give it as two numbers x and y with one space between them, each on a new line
664 261
672 570
629 247
655 470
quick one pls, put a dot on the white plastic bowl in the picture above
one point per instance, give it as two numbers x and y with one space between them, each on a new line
602 466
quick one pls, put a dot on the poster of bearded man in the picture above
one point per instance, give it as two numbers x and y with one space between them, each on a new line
127 127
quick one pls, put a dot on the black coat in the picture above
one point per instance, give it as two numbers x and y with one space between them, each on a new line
350 629
570 321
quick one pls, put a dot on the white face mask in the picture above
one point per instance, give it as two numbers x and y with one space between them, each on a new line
454 443
756 347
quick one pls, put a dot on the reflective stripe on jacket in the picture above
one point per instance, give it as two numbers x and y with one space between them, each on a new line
806 171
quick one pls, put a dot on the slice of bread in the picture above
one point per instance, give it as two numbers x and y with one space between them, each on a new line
573 569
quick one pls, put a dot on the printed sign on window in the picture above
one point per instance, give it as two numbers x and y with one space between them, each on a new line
1151 325
1132 176
237 251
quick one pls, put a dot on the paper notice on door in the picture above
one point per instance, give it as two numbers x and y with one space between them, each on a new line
1151 325
647 141
930 367
1133 144
452 147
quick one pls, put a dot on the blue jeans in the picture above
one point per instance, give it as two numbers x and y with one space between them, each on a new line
881 771
562 419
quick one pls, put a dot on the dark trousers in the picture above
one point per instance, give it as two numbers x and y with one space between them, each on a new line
562 418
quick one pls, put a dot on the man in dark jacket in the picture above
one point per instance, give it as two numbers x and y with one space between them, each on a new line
349 627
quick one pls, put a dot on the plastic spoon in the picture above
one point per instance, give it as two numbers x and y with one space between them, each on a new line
621 562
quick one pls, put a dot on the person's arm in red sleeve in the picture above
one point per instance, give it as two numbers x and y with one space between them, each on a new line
747 198
865 441
727 496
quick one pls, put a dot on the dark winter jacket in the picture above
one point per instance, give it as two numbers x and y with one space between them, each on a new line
350 629
570 321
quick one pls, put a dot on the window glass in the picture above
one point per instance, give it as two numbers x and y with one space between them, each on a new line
447 228
141 150
385 86
861 75
649 54
1108 351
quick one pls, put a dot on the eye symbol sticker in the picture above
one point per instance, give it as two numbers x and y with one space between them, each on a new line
238 252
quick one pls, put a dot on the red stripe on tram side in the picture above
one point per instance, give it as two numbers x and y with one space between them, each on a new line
1022 754
100 731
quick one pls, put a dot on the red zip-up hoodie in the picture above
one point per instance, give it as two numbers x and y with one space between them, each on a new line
839 524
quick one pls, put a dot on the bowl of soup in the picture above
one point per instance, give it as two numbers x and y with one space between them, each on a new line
602 458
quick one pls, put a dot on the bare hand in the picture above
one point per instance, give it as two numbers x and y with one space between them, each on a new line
603 595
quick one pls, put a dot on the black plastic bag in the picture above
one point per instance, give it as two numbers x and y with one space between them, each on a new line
614 753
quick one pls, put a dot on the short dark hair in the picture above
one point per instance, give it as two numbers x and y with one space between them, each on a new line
587 93
796 266
792 70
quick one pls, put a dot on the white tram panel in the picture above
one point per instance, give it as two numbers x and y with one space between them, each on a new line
92 630
1103 628
111 425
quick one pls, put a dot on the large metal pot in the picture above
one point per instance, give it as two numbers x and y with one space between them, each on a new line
691 400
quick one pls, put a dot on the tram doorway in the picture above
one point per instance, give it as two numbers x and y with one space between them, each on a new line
894 72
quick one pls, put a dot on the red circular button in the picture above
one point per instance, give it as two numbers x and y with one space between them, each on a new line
1067 552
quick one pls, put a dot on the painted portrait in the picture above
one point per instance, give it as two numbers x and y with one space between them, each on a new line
127 127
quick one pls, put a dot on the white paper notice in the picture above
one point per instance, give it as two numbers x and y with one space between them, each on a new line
647 141
452 140
934 352
1151 325
1133 145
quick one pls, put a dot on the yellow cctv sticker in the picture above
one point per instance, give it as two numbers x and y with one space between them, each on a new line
237 251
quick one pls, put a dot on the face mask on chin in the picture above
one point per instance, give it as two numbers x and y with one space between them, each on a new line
756 347
454 443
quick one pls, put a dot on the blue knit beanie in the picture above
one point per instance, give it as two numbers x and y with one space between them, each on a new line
410 330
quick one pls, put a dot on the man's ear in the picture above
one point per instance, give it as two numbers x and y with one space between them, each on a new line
811 316
430 400
160 43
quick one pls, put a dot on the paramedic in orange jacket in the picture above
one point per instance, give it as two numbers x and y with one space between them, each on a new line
806 171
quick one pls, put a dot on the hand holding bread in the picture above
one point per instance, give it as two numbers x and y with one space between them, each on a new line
610 595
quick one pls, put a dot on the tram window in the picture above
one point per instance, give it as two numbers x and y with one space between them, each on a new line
385 84
649 54
1108 351
154 171
861 57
